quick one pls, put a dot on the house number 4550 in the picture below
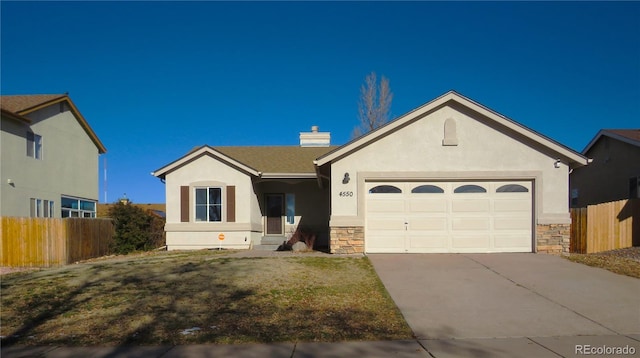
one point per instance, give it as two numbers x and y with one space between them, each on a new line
346 193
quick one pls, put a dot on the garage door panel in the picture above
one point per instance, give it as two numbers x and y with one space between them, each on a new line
431 243
428 224
469 205
428 206
512 205
386 206
471 223
387 225
391 243
470 241
512 223
516 241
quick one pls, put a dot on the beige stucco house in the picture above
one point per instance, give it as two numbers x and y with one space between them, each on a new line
614 173
48 158
449 176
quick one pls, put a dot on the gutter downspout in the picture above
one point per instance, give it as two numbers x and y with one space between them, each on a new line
318 175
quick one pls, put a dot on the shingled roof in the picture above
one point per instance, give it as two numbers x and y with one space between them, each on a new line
276 159
267 161
18 106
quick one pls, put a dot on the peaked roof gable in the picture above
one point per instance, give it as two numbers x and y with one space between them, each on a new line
200 152
22 105
354 145
630 136
264 161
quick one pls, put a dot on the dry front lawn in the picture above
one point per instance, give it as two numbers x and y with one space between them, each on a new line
622 261
199 297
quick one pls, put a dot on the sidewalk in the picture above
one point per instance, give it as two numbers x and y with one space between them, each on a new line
441 348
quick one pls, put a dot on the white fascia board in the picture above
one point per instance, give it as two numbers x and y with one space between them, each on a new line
453 96
519 128
383 130
202 151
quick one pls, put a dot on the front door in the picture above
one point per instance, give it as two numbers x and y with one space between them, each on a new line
275 212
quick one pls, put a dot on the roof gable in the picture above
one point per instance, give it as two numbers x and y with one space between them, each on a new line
21 105
630 136
446 99
265 161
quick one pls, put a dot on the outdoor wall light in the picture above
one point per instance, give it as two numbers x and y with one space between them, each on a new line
10 182
557 163
345 180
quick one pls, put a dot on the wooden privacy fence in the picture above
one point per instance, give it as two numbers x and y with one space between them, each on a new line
40 242
606 226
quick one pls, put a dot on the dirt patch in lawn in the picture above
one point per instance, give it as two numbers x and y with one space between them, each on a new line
621 261
199 297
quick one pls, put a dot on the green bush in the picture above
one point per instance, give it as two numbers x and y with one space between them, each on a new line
135 229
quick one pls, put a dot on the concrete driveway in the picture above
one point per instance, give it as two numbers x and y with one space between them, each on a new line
527 298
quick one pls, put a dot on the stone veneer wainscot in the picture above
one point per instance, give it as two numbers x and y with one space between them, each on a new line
347 240
553 239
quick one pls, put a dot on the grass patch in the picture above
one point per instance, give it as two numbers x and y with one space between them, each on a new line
153 299
620 265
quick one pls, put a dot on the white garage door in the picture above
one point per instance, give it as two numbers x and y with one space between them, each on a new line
422 217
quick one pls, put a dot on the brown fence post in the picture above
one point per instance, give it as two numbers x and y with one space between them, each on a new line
578 242
635 230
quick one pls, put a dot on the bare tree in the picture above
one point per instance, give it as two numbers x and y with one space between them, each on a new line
374 104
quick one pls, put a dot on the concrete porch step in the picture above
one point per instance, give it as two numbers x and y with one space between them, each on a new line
266 247
272 240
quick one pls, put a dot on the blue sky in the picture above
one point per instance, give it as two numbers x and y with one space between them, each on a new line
155 79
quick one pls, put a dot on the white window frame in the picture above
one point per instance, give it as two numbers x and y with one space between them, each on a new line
39 208
78 211
34 145
208 205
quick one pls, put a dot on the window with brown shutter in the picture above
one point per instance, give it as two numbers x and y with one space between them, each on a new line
184 204
231 204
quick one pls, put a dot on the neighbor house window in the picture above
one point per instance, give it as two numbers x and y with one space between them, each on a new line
77 208
34 145
41 208
208 204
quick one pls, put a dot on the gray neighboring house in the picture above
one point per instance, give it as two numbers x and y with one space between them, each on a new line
449 176
613 174
48 158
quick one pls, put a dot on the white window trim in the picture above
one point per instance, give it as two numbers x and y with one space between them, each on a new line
222 204
81 212
37 141
41 208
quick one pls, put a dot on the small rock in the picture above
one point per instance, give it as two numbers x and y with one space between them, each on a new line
189 331
299 246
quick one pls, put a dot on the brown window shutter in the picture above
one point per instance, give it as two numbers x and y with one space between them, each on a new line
231 204
184 204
